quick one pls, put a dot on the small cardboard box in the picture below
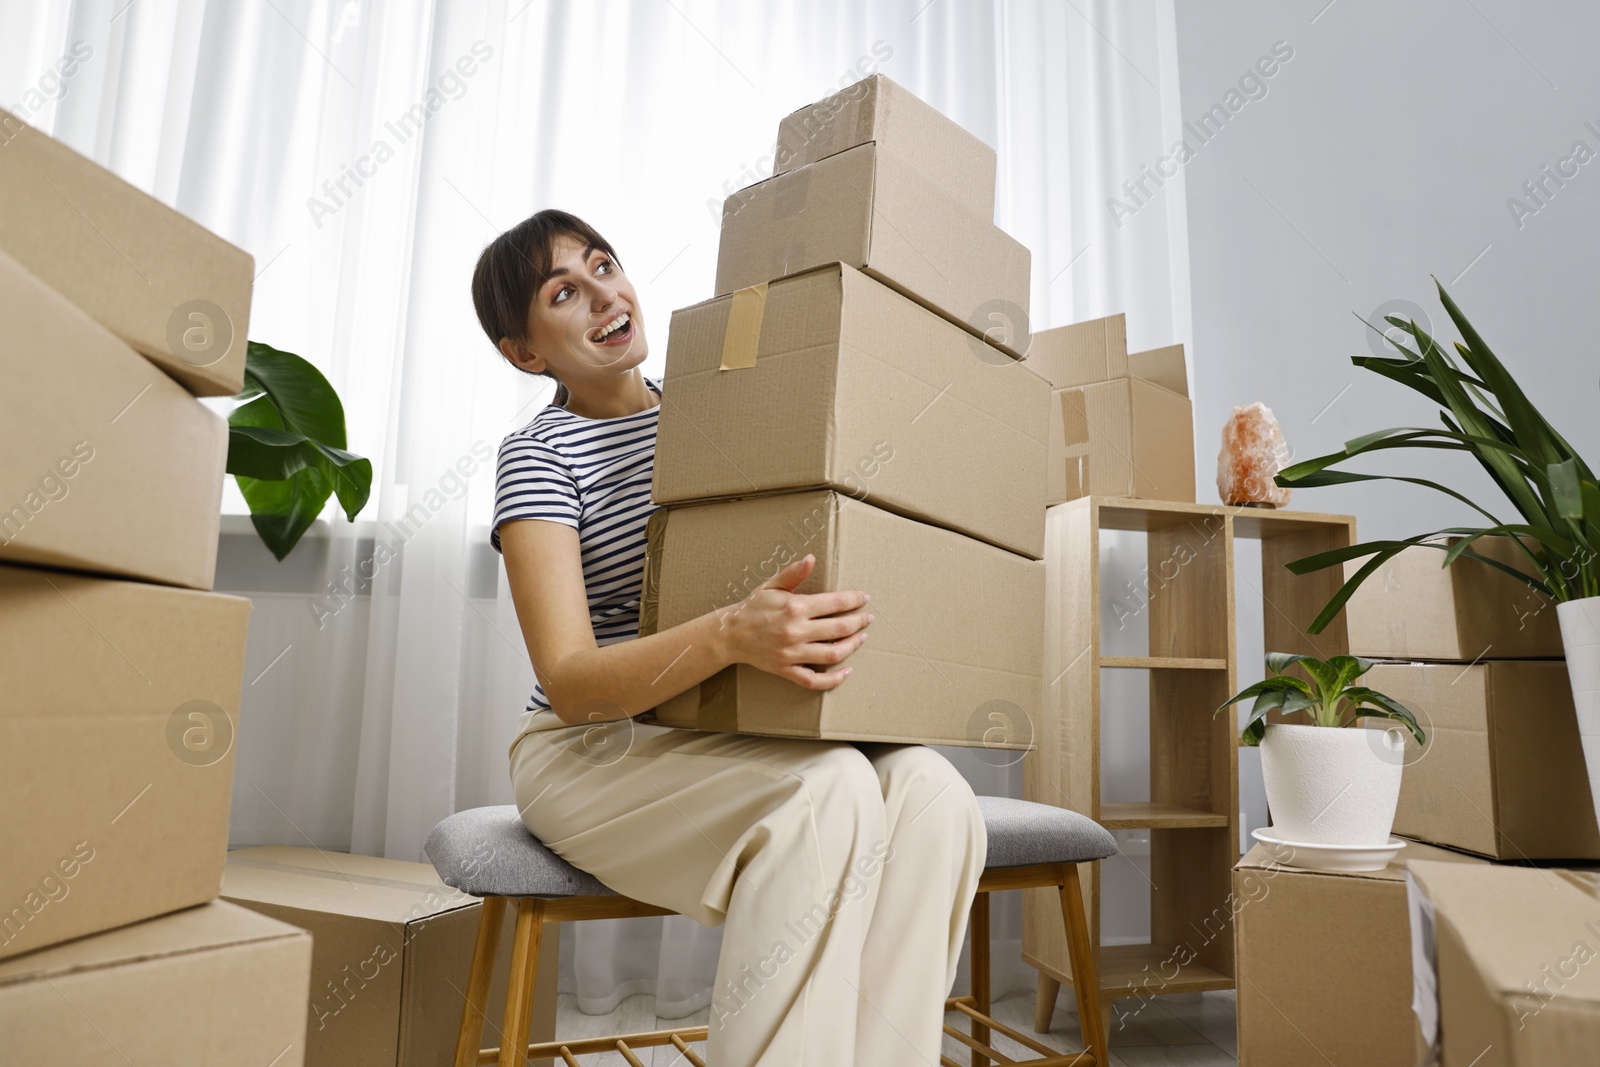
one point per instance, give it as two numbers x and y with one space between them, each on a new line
876 109
1082 353
958 637
163 283
1324 962
117 721
1127 437
111 466
873 211
1503 773
1414 608
390 957
208 986
831 379
1514 981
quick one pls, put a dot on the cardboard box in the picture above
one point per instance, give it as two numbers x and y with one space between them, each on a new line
117 721
871 210
831 379
160 281
1414 608
1083 353
958 637
209 986
877 110
1324 962
391 953
111 466
1513 963
1162 366
1127 437
1503 773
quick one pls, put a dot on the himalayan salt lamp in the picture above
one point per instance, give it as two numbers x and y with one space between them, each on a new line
1253 450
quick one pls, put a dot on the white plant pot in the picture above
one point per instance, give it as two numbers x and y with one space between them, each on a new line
1580 634
1332 786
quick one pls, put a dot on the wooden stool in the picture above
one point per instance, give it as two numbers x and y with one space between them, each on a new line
489 853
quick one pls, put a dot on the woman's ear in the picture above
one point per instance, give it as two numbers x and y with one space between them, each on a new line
520 355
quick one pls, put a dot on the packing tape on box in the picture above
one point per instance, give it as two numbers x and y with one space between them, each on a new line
743 335
1074 418
655 531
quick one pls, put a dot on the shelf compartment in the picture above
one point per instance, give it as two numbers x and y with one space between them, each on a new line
1153 816
1180 663
1143 971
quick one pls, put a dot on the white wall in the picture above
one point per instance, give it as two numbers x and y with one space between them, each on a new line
1384 151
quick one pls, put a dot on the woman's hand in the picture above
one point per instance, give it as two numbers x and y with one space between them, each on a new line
785 633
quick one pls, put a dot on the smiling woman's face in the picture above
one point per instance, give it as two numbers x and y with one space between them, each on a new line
584 321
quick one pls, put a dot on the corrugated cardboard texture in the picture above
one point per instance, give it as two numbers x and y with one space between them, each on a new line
1413 608
1125 438
1519 984
1503 772
1081 354
958 630
878 110
392 951
111 466
117 725
210 986
856 388
1162 366
160 281
872 211
1324 963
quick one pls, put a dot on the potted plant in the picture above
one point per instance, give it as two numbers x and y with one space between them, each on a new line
286 449
1326 784
1486 414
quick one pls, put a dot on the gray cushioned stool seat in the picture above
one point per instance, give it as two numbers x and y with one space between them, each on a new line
489 852
1022 832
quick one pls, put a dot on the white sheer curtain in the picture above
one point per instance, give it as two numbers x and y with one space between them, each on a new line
365 152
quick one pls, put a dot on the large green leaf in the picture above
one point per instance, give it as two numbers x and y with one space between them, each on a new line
280 509
286 448
1371 703
303 396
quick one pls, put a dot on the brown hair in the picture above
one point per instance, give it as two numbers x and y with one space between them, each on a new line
513 267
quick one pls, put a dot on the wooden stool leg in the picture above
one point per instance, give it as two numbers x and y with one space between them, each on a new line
469 1039
1085 978
519 990
1044 1004
979 927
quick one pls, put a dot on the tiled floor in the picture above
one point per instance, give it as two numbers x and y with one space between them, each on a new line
1192 1031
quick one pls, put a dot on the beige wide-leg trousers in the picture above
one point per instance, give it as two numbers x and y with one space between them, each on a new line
843 872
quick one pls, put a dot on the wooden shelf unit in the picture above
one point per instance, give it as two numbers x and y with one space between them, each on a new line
1193 811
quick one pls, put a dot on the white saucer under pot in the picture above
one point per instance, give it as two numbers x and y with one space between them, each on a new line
1347 859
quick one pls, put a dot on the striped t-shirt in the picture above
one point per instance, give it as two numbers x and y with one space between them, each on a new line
593 475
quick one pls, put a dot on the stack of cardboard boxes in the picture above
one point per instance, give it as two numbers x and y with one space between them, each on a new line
1475 654
856 392
123 671
1121 424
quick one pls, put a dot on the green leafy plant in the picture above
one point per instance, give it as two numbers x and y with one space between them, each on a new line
286 448
1487 415
1328 698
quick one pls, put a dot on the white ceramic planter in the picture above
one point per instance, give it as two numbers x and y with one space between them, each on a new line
1328 786
1580 634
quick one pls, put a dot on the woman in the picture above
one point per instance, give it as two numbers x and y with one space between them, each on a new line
843 872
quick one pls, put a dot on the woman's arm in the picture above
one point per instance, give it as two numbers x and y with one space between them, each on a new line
774 628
